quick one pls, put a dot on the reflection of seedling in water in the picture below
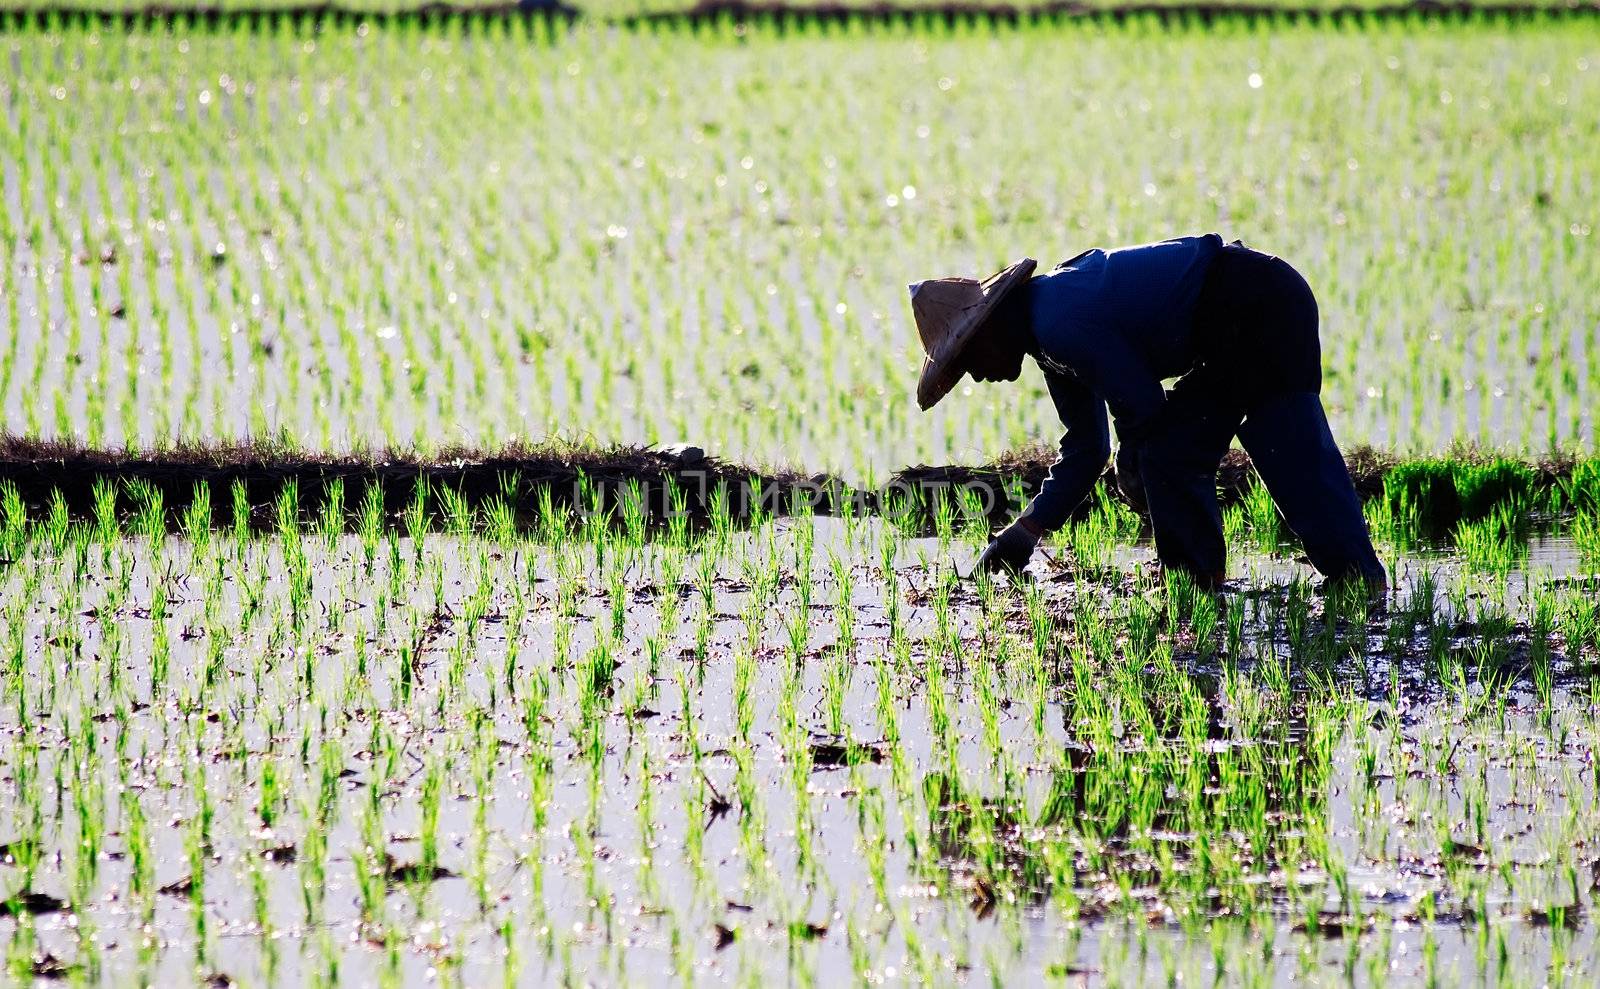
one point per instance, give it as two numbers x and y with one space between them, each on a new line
1495 541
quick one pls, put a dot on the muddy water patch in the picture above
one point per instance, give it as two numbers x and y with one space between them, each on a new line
803 750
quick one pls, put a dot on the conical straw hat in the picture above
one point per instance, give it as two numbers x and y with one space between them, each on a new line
949 314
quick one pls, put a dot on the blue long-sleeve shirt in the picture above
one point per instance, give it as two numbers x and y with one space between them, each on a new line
1108 326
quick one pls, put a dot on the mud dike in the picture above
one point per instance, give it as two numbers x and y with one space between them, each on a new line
658 483
714 13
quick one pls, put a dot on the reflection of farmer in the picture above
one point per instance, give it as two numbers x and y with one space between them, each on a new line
1237 328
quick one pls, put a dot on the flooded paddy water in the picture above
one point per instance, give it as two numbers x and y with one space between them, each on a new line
379 744
804 751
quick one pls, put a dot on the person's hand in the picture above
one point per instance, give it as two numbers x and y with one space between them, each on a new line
1129 481
1011 549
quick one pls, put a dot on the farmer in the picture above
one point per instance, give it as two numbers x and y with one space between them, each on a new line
1236 327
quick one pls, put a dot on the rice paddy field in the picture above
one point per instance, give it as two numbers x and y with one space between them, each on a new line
629 10
593 751
340 735
419 238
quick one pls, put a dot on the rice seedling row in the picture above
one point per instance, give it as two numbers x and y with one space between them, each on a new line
492 232
367 749
629 11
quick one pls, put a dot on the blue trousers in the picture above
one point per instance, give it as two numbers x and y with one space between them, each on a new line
1257 376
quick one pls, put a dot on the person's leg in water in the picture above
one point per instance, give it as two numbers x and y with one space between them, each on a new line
1285 430
1288 439
1178 466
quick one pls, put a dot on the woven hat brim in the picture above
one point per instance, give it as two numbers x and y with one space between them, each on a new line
942 371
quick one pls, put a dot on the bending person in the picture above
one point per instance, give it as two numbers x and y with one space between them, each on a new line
1236 327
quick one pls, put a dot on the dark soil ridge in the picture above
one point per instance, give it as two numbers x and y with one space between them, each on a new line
738 12
661 482
1178 14
664 481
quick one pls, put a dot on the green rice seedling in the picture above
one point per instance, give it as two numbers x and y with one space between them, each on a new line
371 522
415 518
1494 542
150 512
240 511
902 506
1262 513
763 504
1122 522
945 511
1581 490
500 521
197 517
1091 542
719 509
14 524
270 797
844 603
797 625
54 530
431 795
617 594
1041 627
1482 488
1586 535
1204 622
107 525
161 644
140 855
196 843
975 521
457 512
86 805
483 762
550 523
1541 627
1234 619
599 667
761 579
1580 626
677 507
1422 494
330 519
20 950
1235 524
